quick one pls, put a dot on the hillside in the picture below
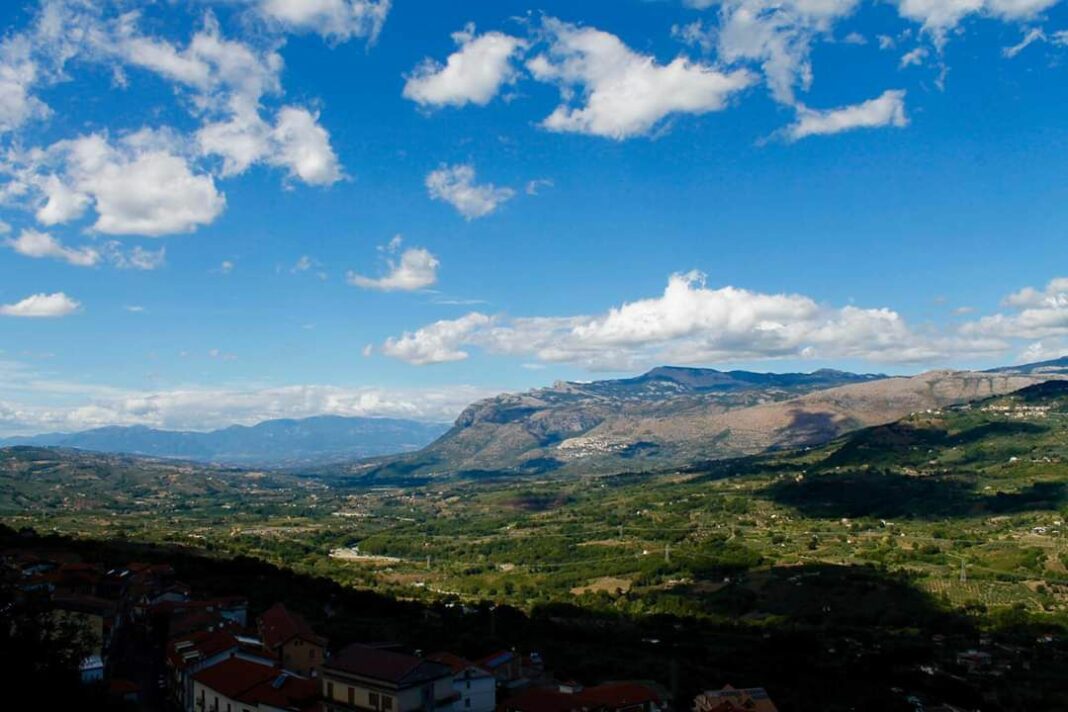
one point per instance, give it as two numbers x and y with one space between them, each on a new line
43 479
272 443
673 417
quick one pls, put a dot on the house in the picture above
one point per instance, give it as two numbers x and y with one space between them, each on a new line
237 685
191 654
476 687
505 666
291 640
572 697
366 678
729 699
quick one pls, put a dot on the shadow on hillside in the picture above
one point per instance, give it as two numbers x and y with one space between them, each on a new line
808 428
904 444
886 495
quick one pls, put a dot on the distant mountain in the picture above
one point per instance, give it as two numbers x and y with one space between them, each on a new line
272 443
1057 366
673 417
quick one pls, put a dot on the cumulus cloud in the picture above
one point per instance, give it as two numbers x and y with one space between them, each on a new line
138 186
690 323
1035 314
456 185
414 268
610 90
336 20
436 343
779 37
938 17
473 74
885 110
303 146
19 72
36 244
161 181
41 306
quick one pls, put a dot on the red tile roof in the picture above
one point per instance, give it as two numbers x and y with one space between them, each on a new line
204 644
386 665
278 625
252 683
233 676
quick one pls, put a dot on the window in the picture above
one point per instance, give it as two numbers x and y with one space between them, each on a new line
312 654
467 703
469 683
352 696
372 700
387 702
330 690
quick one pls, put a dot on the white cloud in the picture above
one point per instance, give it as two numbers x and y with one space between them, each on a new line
41 306
621 93
1035 34
415 269
303 146
32 404
691 323
141 184
223 82
885 110
1036 314
18 74
436 343
1044 351
534 186
140 189
36 244
779 36
938 17
62 203
456 185
472 74
225 267
136 257
913 58
336 20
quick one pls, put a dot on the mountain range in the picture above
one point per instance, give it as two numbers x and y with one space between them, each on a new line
272 443
665 418
674 417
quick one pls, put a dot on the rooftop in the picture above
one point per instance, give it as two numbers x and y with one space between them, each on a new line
279 625
385 665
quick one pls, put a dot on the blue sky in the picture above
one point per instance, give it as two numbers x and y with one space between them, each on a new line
227 211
